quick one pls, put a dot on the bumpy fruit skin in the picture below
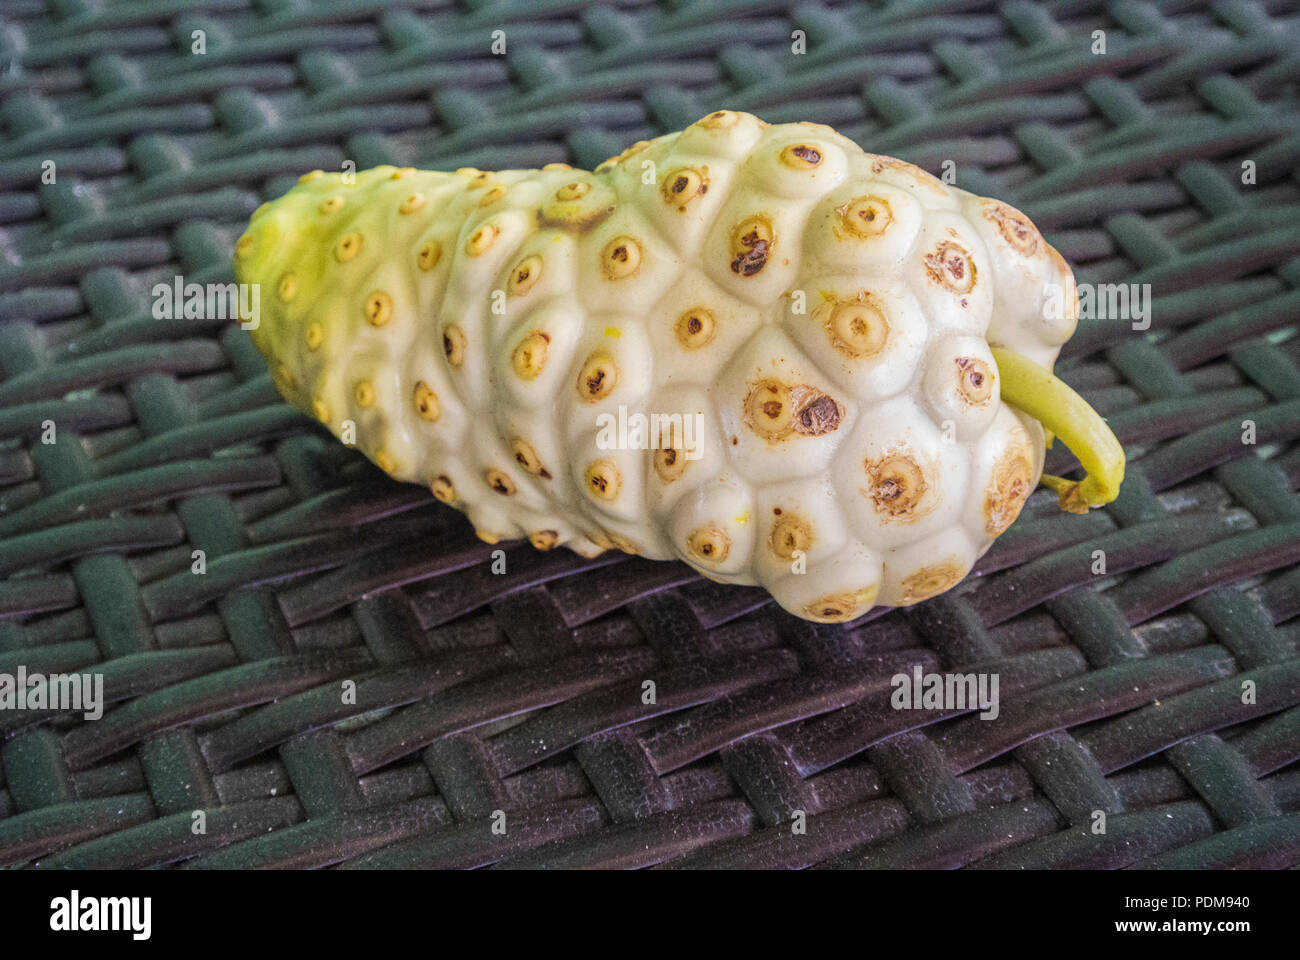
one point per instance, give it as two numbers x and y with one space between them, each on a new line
827 311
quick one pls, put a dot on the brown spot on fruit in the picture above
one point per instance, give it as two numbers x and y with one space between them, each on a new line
412 203
244 246
319 410
529 358
857 328
1009 487
401 173
443 489
384 462
669 464
315 336
287 289
709 545
527 458
683 185
695 328
1013 225
751 245
426 402
329 205
931 581
544 539
429 256
603 479
898 486
598 377
621 258
378 308
975 380
525 274
815 412
499 481
453 344
364 393
790 533
864 217
348 247
951 267
800 156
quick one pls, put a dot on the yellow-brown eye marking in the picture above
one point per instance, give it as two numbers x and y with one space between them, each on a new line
412 203
525 275
572 191
1007 490
603 479
384 462
527 458
453 344
378 308
751 245
529 358
864 217
598 377
801 156
1011 223
774 410
442 488
544 539
492 196
669 464
482 239
429 255
931 581
401 173
319 410
719 120
315 336
790 533
857 329
841 607
768 410
683 185
364 393
348 247
951 267
898 486
330 204
709 544
288 287
621 258
975 380
695 328
244 246
313 175
426 402
499 481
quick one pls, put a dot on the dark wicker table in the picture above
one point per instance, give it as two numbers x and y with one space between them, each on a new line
1164 695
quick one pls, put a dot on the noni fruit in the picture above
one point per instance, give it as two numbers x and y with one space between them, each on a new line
752 347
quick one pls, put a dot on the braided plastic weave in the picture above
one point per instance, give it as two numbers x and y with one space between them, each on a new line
517 699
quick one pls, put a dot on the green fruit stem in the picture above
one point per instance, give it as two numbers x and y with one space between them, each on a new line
1049 400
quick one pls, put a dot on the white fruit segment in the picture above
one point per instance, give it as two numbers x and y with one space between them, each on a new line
825 314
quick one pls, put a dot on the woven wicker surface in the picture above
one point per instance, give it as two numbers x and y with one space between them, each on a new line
522 692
